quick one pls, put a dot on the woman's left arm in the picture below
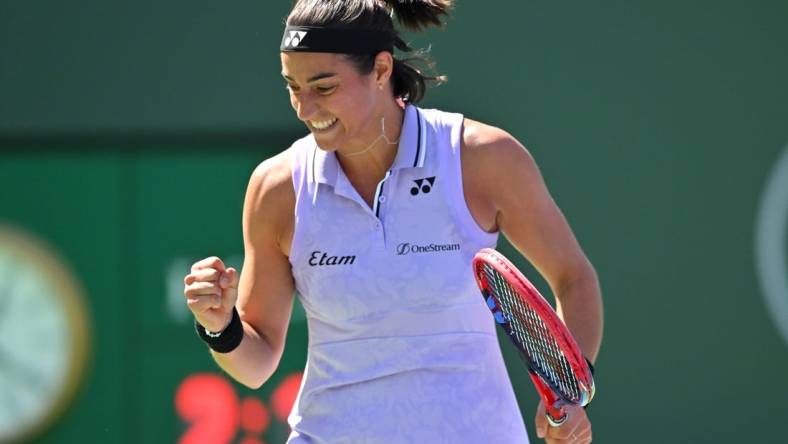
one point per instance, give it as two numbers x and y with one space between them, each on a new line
505 191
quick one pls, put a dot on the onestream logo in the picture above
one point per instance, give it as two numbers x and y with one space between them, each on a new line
771 224
406 248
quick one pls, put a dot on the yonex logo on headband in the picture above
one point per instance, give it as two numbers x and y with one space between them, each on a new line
336 40
294 38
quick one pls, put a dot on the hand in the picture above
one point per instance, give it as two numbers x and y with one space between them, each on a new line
575 430
211 291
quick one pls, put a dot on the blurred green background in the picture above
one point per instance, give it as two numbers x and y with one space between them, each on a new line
128 131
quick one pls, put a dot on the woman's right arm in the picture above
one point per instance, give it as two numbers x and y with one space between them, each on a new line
264 293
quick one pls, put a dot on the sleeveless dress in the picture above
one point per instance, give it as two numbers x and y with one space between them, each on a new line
402 348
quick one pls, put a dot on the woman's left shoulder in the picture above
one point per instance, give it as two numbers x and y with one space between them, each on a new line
491 145
493 164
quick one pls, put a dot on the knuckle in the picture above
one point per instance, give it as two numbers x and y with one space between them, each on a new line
208 262
214 260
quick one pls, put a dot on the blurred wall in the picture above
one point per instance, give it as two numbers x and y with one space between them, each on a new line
128 131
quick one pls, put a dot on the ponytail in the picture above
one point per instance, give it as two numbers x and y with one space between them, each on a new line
419 14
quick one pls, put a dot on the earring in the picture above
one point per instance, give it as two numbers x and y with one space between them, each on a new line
380 86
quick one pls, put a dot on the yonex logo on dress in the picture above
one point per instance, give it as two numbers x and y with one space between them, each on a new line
316 259
422 187
405 248
294 38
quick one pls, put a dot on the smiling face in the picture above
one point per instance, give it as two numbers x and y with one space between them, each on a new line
340 106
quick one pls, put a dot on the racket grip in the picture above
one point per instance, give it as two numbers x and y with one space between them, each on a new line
553 411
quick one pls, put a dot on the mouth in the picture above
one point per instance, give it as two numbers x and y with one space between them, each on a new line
323 125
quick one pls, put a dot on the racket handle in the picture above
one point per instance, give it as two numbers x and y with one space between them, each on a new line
553 411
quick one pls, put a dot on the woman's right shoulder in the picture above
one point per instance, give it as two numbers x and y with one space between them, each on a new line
275 174
270 191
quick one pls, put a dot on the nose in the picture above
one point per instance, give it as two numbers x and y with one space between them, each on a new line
305 106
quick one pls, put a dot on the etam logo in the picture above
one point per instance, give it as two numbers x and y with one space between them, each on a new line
294 38
321 258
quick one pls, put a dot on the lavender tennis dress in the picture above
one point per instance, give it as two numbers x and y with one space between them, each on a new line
401 346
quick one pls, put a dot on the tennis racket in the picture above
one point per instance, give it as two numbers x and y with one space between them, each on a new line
559 370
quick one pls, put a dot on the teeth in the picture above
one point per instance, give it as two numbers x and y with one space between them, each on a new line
323 124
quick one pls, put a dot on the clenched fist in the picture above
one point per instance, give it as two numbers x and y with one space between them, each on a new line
211 291
575 430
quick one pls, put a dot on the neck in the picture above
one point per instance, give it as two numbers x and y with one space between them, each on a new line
369 163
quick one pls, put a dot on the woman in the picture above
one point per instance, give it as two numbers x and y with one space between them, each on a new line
374 218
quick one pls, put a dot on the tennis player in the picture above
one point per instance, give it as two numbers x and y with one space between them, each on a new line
374 218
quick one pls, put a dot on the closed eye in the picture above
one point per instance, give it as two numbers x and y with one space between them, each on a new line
325 90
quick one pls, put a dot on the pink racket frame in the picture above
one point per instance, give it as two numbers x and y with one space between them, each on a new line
554 403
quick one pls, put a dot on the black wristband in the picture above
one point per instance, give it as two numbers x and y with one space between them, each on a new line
226 341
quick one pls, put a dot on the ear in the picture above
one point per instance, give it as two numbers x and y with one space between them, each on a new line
384 66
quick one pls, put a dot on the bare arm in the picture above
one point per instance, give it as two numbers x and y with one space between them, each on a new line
264 294
505 191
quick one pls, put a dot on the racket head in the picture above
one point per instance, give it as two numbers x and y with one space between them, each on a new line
532 324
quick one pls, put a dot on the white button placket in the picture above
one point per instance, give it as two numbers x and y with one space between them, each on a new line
379 208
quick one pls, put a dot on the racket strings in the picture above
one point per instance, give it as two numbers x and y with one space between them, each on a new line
529 329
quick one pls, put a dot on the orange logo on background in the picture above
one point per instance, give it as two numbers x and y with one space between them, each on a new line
210 405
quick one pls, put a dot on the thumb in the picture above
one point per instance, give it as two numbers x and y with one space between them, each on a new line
228 281
541 420
229 278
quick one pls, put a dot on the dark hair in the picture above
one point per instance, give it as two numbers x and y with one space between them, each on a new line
408 81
